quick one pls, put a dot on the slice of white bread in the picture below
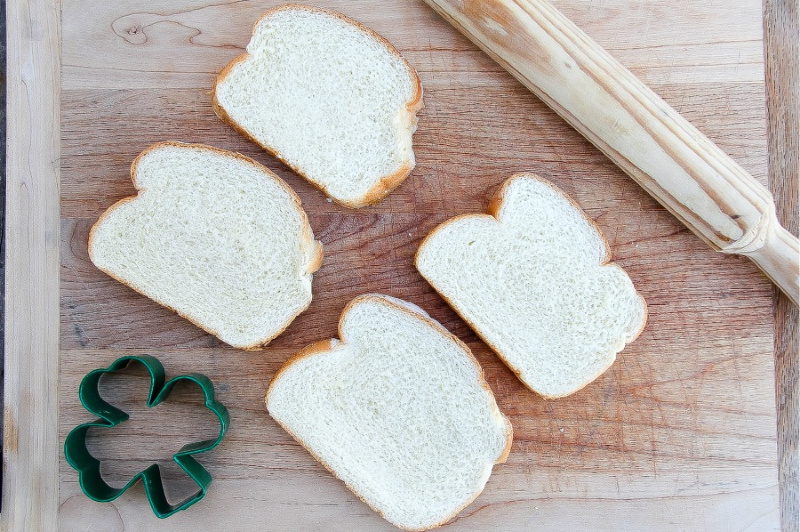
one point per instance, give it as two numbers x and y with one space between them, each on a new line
398 409
533 279
329 97
214 236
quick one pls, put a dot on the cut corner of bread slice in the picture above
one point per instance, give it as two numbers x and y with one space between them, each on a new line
398 409
213 236
533 279
332 99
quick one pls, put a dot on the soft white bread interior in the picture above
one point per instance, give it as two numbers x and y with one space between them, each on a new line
532 278
214 236
398 409
329 97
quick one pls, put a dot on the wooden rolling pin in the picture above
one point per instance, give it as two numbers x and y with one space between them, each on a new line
679 166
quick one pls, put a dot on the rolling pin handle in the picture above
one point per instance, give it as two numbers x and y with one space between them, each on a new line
779 259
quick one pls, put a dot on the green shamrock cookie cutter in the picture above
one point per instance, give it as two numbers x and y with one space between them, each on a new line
88 466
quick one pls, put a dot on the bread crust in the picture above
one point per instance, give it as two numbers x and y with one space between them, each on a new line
308 238
332 344
493 211
387 183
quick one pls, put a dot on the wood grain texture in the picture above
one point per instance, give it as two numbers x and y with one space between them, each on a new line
678 434
782 66
654 144
30 417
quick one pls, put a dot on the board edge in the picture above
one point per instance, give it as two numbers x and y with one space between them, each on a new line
30 413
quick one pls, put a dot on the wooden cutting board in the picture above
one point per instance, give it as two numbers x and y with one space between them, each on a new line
679 434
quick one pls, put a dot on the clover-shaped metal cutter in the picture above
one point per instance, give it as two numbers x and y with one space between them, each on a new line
88 466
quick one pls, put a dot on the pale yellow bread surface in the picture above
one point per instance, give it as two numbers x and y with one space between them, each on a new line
533 279
398 409
214 236
331 98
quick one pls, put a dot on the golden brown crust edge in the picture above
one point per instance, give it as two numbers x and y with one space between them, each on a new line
324 346
309 241
386 184
495 204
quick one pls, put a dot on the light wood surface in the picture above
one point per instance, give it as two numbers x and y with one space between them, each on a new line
782 57
679 434
30 399
688 174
